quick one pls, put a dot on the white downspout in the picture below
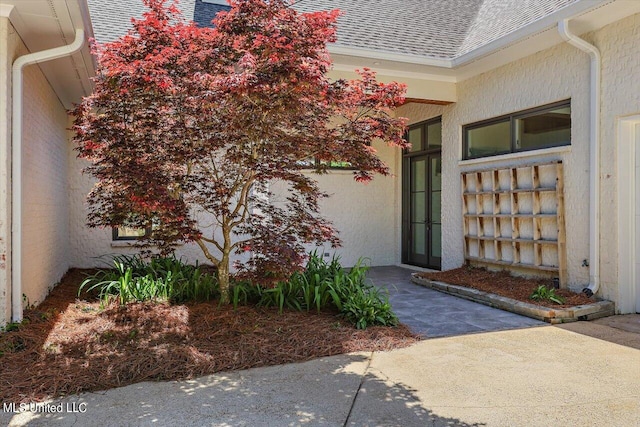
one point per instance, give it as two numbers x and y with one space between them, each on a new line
594 155
16 161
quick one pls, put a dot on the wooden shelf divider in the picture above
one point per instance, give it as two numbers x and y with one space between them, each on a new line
532 200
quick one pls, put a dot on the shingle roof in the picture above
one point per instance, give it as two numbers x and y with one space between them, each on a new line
497 18
112 19
442 29
434 28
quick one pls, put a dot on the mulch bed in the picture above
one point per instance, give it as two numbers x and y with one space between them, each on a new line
506 285
70 345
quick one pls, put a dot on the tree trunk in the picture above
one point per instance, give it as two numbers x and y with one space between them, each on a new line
223 278
221 265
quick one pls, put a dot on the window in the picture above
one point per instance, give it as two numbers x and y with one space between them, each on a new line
334 164
130 233
313 163
542 127
425 136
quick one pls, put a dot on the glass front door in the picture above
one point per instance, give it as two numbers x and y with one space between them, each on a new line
424 234
422 188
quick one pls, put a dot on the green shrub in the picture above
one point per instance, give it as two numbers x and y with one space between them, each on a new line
320 286
359 302
168 279
325 285
547 294
366 306
244 293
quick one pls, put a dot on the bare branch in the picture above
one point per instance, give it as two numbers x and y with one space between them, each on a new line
207 254
213 242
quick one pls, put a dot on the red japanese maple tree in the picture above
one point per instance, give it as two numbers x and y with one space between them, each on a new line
189 127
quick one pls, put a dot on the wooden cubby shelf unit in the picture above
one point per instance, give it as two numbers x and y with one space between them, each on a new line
514 216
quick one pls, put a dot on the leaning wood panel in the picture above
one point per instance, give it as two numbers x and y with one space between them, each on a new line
530 249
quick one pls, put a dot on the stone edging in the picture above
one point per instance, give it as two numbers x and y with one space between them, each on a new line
552 315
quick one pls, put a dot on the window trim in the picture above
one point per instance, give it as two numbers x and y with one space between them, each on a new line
511 119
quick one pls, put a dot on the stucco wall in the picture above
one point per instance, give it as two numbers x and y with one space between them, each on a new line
93 247
619 44
367 216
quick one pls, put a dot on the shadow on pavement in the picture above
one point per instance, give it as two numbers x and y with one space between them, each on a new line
381 403
319 392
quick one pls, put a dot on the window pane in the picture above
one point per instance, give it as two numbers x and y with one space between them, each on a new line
436 206
434 135
415 139
419 239
546 129
436 173
336 164
436 240
418 208
418 175
339 165
308 163
129 233
489 140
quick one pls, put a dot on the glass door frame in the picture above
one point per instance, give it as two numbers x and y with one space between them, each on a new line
424 153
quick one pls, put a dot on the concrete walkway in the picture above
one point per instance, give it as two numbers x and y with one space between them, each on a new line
532 376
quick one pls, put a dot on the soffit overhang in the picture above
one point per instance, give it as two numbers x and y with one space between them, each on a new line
46 24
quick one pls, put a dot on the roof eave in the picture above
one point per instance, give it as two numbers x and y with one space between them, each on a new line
389 56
